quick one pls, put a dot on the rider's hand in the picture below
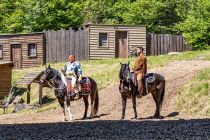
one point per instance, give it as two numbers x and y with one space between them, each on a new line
69 73
80 78
143 75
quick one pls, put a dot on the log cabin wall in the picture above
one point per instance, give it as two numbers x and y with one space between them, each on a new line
108 41
5 78
26 50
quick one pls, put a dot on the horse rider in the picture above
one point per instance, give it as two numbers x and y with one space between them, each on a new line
74 71
140 68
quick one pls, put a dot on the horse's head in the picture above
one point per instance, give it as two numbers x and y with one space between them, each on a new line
48 75
124 74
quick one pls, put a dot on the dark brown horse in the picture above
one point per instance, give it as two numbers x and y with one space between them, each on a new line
154 84
54 79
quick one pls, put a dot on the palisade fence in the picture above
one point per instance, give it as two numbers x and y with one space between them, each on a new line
60 44
158 44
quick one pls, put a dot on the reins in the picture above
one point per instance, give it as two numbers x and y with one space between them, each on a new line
51 81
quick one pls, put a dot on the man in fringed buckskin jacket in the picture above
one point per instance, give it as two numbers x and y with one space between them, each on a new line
140 68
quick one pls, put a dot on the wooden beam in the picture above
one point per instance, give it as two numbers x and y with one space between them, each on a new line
28 93
40 94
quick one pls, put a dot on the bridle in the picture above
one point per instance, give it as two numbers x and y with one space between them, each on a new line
50 82
126 76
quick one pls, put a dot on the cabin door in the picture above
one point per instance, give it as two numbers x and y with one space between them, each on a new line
16 55
121 44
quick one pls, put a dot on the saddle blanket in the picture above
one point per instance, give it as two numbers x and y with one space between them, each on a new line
85 86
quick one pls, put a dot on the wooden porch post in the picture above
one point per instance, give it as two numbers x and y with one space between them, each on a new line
28 93
40 94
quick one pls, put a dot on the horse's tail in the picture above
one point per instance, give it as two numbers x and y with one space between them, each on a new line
96 105
162 94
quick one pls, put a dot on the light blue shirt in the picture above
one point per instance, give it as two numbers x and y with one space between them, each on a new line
73 67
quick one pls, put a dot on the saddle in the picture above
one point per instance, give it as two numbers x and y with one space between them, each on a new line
148 79
85 86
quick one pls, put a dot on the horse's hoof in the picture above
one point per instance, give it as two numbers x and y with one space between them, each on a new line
156 117
64 120
134 118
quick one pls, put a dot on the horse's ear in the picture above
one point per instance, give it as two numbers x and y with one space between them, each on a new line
121 63
49 66
128 62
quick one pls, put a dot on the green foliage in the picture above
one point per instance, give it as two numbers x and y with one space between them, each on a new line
196 25
37 15
187 17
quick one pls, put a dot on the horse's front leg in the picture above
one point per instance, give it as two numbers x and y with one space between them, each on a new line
156 99
63 105
64 108
69 108
134 103
124 100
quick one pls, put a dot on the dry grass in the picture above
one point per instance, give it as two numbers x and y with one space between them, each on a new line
194 98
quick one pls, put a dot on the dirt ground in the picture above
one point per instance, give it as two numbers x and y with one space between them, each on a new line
175 124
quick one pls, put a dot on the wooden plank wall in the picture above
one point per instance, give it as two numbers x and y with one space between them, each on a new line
158 44
97 52
136 36
7 40
5 79
60 44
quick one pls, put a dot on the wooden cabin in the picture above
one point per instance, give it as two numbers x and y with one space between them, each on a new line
25 50
5 78
114 41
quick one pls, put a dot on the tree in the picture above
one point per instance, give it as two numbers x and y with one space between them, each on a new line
196 26
37 15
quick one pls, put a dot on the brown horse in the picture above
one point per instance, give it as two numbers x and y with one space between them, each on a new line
154 84
54 79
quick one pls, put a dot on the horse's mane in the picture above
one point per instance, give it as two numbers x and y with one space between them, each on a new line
122 69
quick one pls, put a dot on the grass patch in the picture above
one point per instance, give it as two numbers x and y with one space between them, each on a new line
103 71
194 97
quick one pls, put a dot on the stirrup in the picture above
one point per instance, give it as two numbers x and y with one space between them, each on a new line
139 96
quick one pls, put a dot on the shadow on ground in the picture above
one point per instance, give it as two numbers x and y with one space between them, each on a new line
110 129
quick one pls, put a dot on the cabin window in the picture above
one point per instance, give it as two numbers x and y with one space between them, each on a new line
1 51
32 50
103 40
